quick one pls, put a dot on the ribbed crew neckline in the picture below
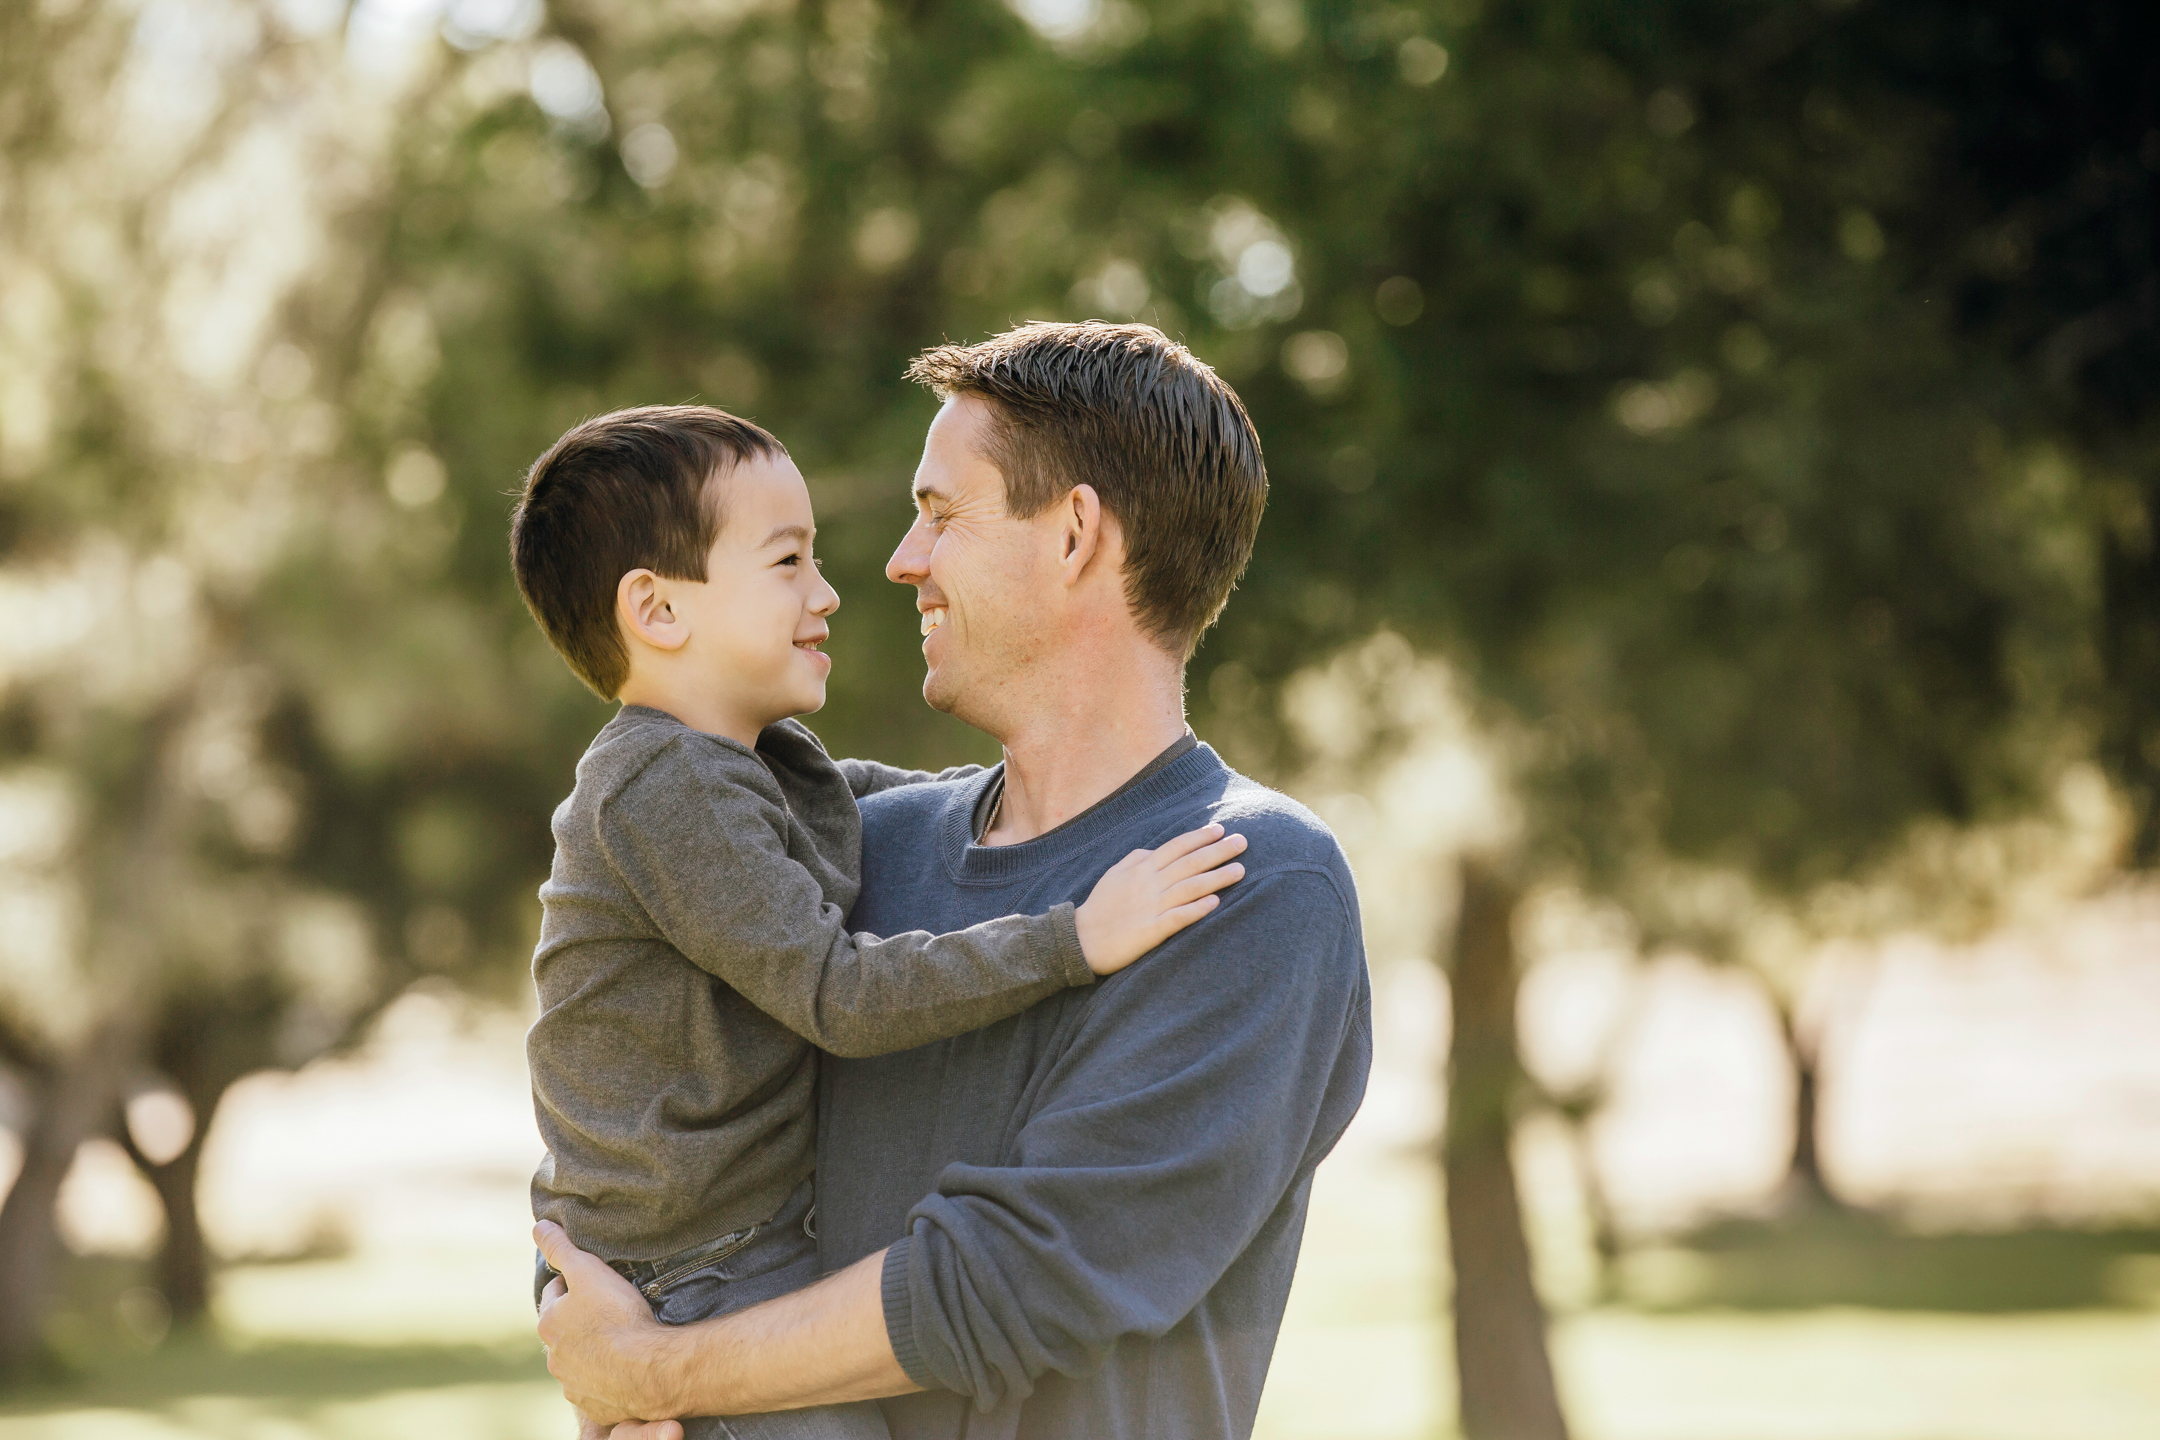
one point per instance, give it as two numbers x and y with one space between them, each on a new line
646 714
969 863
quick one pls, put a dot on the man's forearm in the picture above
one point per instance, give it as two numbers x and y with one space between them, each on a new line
822 1345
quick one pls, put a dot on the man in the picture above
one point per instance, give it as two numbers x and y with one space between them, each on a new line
1081 1221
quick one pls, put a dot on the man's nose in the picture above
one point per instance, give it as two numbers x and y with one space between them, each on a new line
910 563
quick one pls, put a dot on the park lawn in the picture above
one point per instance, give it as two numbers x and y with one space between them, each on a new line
432 1340
440 1344
1365 1347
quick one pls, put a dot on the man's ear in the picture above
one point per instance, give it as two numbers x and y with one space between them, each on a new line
642 608
1080 533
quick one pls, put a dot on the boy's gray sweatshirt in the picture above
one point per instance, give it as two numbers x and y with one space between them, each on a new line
694 958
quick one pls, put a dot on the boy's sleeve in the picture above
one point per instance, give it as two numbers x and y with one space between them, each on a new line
1197 1090
868 777
704 856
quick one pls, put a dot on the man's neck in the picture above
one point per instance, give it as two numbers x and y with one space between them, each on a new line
1081 744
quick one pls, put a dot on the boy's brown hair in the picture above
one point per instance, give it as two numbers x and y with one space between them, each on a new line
633 489
1163 440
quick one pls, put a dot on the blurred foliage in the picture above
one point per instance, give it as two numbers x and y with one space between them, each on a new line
1589 347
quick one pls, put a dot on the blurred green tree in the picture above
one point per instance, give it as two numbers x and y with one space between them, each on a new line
2038 227
262 763
1646 423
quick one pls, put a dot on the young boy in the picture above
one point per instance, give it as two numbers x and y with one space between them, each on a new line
694 955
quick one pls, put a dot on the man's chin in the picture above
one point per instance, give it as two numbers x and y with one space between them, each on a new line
940 691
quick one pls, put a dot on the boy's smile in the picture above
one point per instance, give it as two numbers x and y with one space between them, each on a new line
738 650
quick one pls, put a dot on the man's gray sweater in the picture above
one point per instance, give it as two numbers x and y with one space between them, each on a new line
1093 1207
694 958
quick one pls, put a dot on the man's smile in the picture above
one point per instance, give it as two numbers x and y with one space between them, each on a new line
932 617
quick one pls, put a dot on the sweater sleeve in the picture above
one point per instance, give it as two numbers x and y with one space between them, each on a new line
1200 1084
868 777
705 856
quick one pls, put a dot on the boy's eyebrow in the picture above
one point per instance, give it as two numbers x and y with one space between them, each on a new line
785 532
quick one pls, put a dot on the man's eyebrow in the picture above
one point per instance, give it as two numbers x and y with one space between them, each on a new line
927 491
785 532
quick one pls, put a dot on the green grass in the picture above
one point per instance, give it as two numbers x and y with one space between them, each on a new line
1837 1327
296 1373
1843 1257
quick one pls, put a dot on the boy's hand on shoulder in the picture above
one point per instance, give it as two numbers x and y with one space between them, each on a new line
1150 895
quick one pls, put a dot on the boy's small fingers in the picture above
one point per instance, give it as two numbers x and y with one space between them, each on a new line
1192 887
1185 914
1219 853
1182 845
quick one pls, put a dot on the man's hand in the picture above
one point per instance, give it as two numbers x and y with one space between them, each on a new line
823 1345
602 1341
591 1429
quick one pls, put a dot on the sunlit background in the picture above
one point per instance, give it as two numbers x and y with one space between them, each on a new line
1709 587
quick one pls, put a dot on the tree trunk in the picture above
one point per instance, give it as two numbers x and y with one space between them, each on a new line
1805 1182
1604 1227
71 1101
1503 1370
1806 1159
183 1262
203 1043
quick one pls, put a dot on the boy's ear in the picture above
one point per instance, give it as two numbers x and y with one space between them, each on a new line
642 608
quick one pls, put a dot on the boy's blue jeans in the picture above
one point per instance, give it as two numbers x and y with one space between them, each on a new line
728 1274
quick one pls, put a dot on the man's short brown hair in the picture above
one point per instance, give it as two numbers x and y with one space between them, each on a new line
1163 440
634 489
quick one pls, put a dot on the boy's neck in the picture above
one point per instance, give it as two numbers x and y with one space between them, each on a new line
694 706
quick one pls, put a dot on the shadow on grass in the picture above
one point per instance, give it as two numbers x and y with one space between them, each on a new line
1853 1257
95 1360
199 1363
